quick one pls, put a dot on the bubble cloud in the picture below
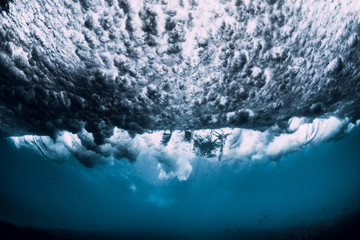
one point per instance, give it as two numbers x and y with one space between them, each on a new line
225 80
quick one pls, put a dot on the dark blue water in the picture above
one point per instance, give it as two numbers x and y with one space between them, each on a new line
318 186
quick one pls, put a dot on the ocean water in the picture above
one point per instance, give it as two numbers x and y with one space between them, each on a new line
314 187
186 119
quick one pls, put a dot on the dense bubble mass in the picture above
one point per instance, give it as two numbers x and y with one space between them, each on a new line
198 75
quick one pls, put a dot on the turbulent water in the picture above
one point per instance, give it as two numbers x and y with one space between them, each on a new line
163 87
112 79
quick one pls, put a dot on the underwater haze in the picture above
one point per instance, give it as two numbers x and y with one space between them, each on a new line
184 119
307 193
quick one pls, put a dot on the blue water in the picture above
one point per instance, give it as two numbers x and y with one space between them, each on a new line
219 199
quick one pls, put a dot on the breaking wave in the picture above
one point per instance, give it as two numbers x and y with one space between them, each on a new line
176 151
225 80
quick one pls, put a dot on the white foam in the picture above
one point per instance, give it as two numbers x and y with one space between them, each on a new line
251 28
62 37
175 157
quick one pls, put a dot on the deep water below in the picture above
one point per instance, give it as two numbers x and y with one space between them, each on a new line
308 192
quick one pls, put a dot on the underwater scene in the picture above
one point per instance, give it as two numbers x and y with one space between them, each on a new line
184 119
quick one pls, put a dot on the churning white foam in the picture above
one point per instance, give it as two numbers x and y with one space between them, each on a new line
175 151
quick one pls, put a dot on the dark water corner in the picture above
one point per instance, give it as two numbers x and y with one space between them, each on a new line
345 228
